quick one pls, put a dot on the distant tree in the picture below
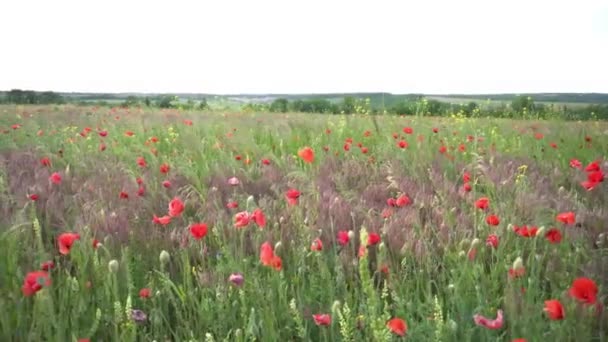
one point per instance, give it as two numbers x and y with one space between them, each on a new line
279 106
131 101
167 101
147 101
470 108
348 105
203 105
521 103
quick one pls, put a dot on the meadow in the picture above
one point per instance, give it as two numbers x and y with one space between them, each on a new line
166 225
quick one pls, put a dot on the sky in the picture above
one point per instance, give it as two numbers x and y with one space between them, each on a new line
229 47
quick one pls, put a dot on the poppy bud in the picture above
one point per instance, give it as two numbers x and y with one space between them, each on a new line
164 257
113 266
277 246
475 242
351 234
336 307
250 202
518 264
452 325
238 333
540 231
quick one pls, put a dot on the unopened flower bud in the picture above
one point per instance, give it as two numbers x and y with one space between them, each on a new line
541 231
164 257
518 264
351 234
113 266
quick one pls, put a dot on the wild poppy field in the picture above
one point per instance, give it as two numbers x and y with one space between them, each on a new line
147 225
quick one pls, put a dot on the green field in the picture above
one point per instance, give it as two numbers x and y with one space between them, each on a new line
399 228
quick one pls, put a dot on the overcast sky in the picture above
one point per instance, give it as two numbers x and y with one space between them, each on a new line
220 46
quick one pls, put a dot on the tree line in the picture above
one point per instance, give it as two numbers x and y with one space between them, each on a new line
520 107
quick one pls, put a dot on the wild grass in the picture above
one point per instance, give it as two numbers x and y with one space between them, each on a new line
432 267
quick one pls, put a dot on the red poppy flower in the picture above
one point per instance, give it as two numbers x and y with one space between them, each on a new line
276 262
292 196
317 245
103 134
538 136
471 254
166 184
466 177
373 239
141 162
391 202
402 144
575 164
34 282
402 201
102 147
466 187
397 326
266 253
462 148
95 243
343 238
176 207
65 242
139 180
34 197
364 150
154 139
519 340
188 122
259 218
489 323
525 231
517 272
554 309
45 161
386 213
241 219
346 147
584 290
265 161
198 230
322 319
55 178
145 293
129 133
593 166
141 191
492 220
589 185
554 235
164 168
483 203
492 241
443 149
124 195
307 154
553 145
435 130
164 220
408 130
595 176
47 265
566 218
